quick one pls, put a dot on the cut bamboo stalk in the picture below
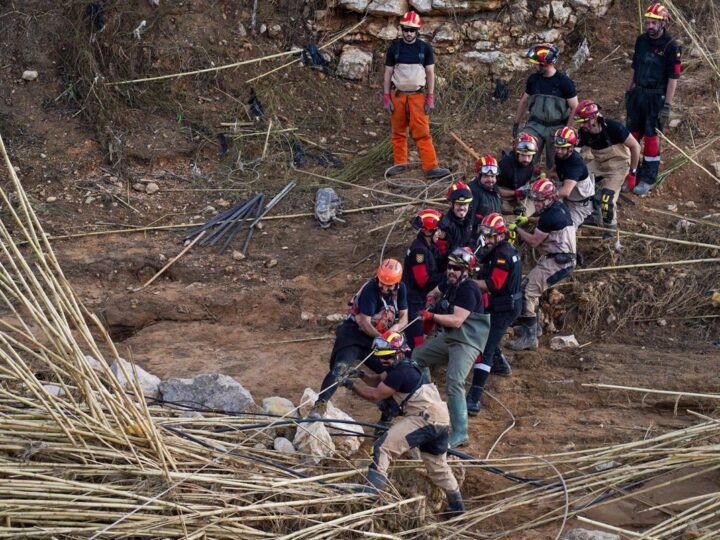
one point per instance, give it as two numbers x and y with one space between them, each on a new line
467 148
651 237
643 265
170 262
651 391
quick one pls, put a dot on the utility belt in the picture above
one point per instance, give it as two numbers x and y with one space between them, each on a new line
562 258
504 303
646 90
409 92
584 202
537 120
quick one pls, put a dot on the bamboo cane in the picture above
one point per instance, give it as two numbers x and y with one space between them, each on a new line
467 148
651 237
688 156
651 391
644 265
170 262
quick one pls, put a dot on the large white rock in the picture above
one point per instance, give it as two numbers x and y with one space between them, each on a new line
598 7
212 391
559 343
354 63
346 445
283 445
148 382
314 440
586 534
466 6
560 13
376 7
30 75
447 33
276 405
421 6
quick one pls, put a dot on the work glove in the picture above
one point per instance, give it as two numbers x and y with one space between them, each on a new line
512 227
426 315
522 192
521 220
429 103
664 116
355 373
630 181
347 383
515 129
388 104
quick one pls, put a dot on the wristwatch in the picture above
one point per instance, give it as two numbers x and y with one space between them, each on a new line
633 172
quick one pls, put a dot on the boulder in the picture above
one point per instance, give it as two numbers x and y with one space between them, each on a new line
314 440
93 363
422 6
346 445
354 63
597 7
284 446
466 6
560 13
586 534
376 7
212 391
148 382
385 30
559 343
447 33
276 405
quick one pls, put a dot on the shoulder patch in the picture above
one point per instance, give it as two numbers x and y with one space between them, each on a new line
419 258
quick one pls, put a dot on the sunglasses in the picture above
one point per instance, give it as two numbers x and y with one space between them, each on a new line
409 30
455 268
489 170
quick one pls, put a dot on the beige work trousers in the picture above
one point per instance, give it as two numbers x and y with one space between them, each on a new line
546 269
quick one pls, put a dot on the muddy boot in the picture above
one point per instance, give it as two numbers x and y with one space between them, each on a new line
646 182
455 505
457 407
396 169
376 482
437 172
609 232
501 366
528 340
318 410
480 377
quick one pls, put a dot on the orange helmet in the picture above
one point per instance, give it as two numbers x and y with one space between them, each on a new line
492 225
411 20
586 110
565 137
525 144
543 189
463 257
657 11
427 220
544 54
389 272
487 165
459 192
389 343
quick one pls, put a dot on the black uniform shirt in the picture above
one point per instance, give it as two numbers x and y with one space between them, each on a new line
554 218
502 271
512 175
485 202
409 53
421 271
402 377
572 168
559 85
467 295
656 60
613 132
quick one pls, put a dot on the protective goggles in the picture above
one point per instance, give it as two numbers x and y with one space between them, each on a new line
408 29
562 142
525 147
382 347
489 170
455 267
487 231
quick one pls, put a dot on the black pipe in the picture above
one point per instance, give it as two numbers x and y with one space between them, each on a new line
239 225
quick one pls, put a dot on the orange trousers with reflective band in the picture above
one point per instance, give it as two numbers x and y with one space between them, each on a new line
410 113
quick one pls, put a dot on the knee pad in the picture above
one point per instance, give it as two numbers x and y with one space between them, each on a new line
607 206
652 146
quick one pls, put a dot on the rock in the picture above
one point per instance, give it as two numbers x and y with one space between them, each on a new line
260 446
466 6
281 444
314 441
386 32
237 255
93 363
263 28
716 167
376 7
139 186
661 322
587 534
421 6
306 316
560 13
691 204
148 382
30 75
542 15
277 405
683 225
607 465
212 391
54 390
275 31
271 263
51 199
447 33
346 445
581 55
672 207
152 188
335 317
483 30
598 7
675 122
559 343
89 200
354 63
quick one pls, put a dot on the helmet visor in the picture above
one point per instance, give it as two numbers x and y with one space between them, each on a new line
487 231
525 147
562 142
489 170
382 347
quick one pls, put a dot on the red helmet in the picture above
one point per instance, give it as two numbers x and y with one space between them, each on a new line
427 220
657 11
565 137
543 189
390 343
463 257
586 110
487 165
525 144
389 272
411 20
459 192
493 224
544 54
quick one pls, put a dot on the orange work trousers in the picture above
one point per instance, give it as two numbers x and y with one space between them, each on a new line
410 113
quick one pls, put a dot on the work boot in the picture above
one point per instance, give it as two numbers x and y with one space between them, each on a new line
455 505
528 340
457 407
318 410
647 181
437 172
376 482
609 232
396 169
473 400
501 366
642 188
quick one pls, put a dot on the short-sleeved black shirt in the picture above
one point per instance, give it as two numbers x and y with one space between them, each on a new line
613 132
656 60
370 302
403 377
572 168
409 53
467 295
511 175
555 218
559 85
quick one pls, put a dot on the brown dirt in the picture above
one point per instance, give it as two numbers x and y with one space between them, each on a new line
211 313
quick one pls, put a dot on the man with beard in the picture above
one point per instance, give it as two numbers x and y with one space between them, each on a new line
516 174
577 187
650 92
456 224
456 305
485 195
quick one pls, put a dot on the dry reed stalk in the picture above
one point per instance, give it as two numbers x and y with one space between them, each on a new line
170 262
651 237
644 265
688 156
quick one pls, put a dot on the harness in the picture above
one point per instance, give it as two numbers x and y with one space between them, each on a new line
354 306
420 383
396 51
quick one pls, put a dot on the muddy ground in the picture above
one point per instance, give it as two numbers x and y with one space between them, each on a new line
257 318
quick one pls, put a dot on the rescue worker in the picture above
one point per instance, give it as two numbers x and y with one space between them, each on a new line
379 305
549 99
456 305
424 422
554 237
616 155
517 173
456 225
422 270
650 92
485 195
409 96
500 279
577 184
